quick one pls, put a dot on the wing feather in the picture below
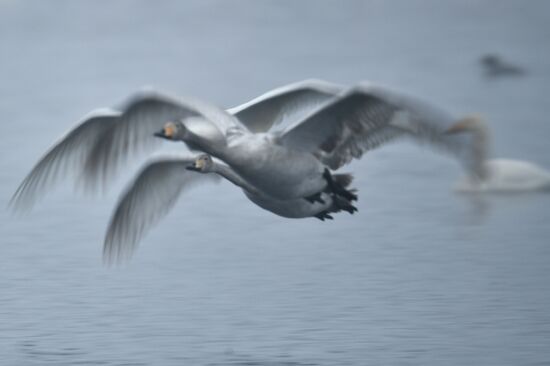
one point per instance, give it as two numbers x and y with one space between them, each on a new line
284 105
133 132
364 118
96 148
69 153
148 198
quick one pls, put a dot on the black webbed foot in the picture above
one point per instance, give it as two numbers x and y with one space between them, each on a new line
338 189
349 208
324 216
315 198
342 204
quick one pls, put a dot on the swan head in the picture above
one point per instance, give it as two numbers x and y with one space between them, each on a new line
171 131
203 164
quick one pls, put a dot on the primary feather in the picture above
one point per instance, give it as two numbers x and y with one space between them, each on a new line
147 199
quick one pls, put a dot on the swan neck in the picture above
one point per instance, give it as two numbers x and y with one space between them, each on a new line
197 142
480 150
232 176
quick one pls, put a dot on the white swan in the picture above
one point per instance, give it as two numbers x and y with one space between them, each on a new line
106 138
495 175
294 208
158 185
288 164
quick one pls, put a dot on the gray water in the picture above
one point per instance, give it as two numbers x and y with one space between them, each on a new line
421 276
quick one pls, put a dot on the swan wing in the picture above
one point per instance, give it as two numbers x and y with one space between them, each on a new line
97 147
147 199
144 114
70 152
284 105
362 119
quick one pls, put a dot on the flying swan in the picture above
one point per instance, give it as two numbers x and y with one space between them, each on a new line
106 138
158 185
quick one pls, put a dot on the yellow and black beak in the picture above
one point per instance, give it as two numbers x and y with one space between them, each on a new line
160 134
166 133
193 167
196 166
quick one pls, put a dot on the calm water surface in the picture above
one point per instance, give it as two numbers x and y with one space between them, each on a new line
421 276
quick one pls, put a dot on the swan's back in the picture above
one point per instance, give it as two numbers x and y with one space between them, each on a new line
507 175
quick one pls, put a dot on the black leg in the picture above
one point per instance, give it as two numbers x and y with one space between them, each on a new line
315 198
338 189
324 216
342 204
349 208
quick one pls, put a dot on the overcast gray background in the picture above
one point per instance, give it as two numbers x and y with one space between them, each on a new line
420 276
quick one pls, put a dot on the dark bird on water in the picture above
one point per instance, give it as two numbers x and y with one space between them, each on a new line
494 66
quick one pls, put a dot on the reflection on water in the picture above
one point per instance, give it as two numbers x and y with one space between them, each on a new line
420 276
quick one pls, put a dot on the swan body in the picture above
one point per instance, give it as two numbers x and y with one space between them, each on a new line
294 208
505 175
280 172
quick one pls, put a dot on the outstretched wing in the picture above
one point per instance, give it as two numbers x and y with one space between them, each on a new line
69 153
101 143
144 114
362 119
147 199
284 105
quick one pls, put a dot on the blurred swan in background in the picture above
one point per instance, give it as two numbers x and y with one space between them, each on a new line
157 187
495 175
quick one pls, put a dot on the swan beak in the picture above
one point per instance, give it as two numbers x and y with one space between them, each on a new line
160 134
196 166
167 132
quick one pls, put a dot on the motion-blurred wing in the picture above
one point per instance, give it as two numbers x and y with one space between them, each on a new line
144 114
69 153
285 105
146 200
364 118
97 147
